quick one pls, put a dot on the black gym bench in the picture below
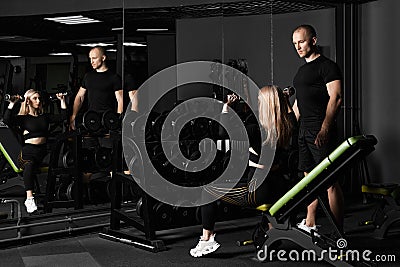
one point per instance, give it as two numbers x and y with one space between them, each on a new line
384 201
10 148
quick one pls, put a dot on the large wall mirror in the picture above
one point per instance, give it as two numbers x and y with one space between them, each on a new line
45 46
257 34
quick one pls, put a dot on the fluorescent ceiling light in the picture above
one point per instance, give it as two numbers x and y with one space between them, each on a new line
19 39
151 30
94 44
7 37
70 20
111 50
10 56
117 29
133 44
60 54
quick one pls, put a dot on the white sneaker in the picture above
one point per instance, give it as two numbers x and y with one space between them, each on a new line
205 247
306 228
30 205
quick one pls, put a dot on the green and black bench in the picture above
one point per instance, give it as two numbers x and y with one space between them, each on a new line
384 202
283 213
10 148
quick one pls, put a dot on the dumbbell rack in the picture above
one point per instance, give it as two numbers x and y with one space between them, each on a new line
77 201
145 224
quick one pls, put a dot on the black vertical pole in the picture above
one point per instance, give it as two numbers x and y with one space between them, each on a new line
347 57
77 146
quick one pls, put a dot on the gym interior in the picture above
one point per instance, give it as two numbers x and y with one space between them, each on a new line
94 208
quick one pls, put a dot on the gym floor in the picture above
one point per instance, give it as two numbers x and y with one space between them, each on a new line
91 250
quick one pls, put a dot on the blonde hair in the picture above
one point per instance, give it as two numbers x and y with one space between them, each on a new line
25 107
273 116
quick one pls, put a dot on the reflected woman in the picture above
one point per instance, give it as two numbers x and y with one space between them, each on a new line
34 125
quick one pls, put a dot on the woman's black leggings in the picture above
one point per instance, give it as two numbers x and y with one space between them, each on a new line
273 186
30 159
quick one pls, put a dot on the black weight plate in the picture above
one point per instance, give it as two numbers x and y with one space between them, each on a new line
92 121
111 120
103 157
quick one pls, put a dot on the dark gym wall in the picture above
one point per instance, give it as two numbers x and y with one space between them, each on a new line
161 54
286 59
19 77
380 59
199 39
245 37
249 37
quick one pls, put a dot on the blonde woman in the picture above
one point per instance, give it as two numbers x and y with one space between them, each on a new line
277 120
34 125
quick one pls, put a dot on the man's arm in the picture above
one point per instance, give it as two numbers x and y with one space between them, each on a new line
335 100
134 100
120 100
296 109
79 98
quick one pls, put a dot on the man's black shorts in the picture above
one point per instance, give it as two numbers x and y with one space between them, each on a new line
309 154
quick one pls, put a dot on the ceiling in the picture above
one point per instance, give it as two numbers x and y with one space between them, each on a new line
34 36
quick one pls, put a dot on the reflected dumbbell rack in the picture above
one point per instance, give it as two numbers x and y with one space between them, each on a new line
93 148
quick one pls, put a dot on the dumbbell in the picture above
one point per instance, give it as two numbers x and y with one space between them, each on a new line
183 127
87 159
133 157
163 215
111 120
61 189
200 128
68 159
160 124
71 191
103 158
140 126
139 208
184 215
92 121
210 173
61 192
163 166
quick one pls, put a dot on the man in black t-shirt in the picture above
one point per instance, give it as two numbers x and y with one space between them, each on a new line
103 88
318 100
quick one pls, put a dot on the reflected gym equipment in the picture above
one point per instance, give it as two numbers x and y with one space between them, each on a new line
98 188
91 121
139 208
103 158
111 120
68 159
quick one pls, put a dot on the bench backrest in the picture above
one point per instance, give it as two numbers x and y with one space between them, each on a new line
323 175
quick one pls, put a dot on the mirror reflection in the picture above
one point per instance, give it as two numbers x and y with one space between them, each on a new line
47 167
